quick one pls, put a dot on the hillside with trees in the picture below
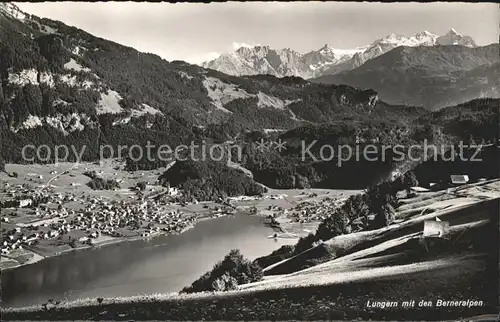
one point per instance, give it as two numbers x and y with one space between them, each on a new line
61 85
210 180
371 210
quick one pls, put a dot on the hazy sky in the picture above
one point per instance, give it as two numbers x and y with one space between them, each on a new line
196 32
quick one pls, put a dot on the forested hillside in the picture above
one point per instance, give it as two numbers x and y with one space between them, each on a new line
61 85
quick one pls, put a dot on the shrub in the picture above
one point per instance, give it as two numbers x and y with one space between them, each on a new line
280 254
99 183
224 283
90 174
384 217
233 270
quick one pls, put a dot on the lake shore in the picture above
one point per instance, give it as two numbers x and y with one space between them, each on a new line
140 267
101 241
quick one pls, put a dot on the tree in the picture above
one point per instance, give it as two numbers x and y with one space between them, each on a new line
233 270
384 216
225 283
99 183
304 243
335 225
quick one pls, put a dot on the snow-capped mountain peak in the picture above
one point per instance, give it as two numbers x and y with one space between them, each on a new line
327 52
326 48
424 34
387 43
423 38
278 62
391 38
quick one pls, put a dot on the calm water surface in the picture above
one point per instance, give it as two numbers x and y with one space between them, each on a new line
160 265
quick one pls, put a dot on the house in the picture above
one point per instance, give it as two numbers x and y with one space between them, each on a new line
173 192
25 203
459 179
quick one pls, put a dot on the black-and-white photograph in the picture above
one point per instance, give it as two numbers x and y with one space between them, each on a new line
249 161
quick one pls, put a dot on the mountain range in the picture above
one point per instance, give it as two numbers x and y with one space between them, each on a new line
62 85
324 61
422 70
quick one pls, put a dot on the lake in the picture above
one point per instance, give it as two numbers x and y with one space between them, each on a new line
160 265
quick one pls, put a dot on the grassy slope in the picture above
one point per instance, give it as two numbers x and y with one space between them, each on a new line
310 303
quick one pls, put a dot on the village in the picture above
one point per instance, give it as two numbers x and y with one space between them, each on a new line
60 221
41 220
294 213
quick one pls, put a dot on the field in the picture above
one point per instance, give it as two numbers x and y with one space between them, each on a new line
448 278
